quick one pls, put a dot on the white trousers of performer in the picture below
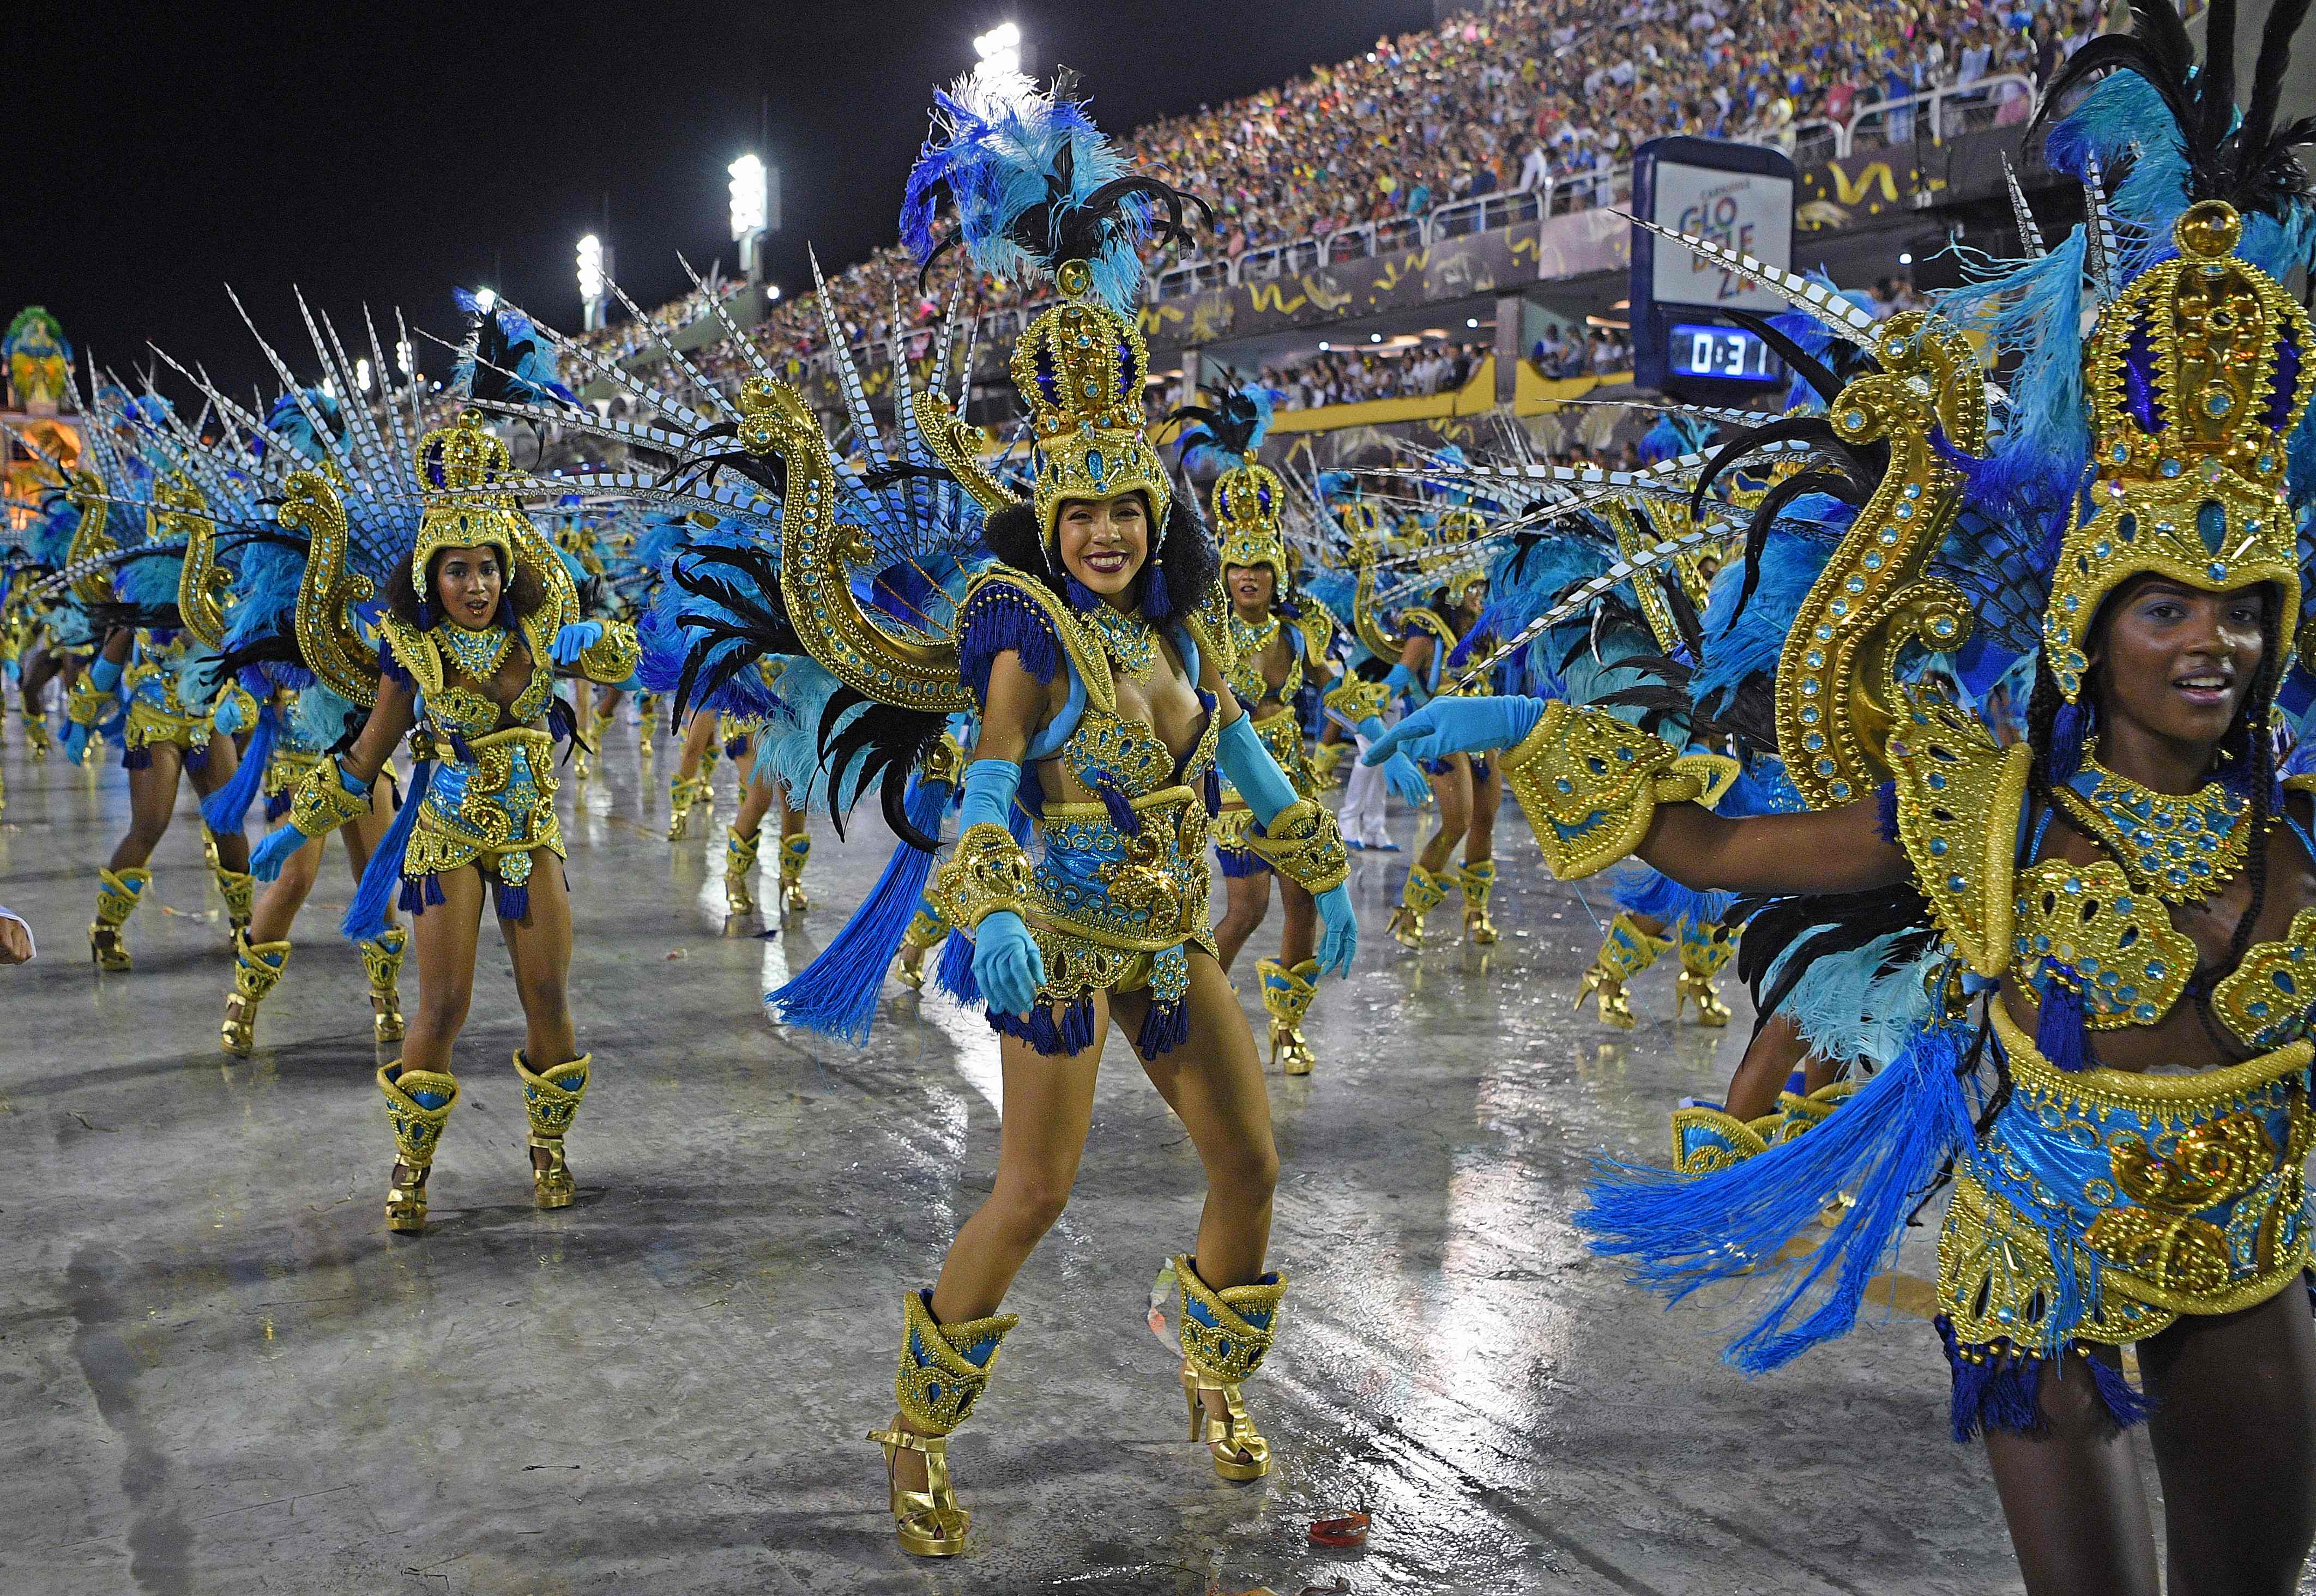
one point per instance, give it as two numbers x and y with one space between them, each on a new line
1361 816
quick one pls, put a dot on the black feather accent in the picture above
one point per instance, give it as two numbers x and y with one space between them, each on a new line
889 741
1868 465
1846 489
698 468
1230 425
275 648
893 472
723 645
1812 370
1844 922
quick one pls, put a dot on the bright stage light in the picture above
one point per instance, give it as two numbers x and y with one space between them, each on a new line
1000 51
487 300
362 374
403 360
748 196
591 268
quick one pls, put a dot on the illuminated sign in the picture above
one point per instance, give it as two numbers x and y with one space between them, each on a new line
1731 354
1751 211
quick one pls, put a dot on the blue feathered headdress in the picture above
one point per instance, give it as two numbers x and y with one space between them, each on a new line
1227 433
288 422
1036 183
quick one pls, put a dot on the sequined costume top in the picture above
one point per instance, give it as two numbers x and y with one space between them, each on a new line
489 799
2101 1204
1119 886
171 689
1273 706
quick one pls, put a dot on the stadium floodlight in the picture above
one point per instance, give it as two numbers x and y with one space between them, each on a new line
362 374
404 360
594 275
487 300
773 291
1000 51
748 196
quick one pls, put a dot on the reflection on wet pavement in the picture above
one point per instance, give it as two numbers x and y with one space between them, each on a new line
224 1376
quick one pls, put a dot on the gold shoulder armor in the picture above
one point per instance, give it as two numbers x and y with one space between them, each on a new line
1959 797
415 653
1589 784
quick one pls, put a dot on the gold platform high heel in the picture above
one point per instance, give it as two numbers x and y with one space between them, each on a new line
944 1369
418 1104
794 851
552 1101
382 958
36 737
1478 881
739 867
1225 1336
117 894
1423 893
1624 953
1703 952
257 968
1287 995
925 929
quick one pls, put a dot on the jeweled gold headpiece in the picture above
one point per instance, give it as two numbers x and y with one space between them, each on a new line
1080 368
1247 503
457 466
2196 379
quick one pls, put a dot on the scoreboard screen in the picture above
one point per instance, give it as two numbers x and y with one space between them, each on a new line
1728 354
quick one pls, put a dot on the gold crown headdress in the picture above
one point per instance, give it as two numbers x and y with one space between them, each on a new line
2195 381
1248 499
458 465
1040 192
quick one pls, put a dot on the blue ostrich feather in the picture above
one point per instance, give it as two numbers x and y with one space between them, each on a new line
319 718
2123 119
1644 890
151 579
788 749
53 529
1858 1006
1203 451
287 421
2030 313
1813 337
994 147
1740 644
1675 435
1332 590
265 591
1681 1233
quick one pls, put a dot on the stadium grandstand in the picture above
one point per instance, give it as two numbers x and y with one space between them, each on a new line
1429 232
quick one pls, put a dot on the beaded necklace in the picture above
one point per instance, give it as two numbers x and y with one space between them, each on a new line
1128 641
2181 848
478 653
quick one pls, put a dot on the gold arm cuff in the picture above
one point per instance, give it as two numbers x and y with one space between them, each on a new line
1355 700
88 704
942 762
1589 784
989 871
1303 844
612 657
322 802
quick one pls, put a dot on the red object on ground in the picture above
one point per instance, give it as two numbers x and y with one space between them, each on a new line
1349 1530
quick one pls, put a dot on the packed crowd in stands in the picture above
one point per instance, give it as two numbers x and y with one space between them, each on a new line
1519 95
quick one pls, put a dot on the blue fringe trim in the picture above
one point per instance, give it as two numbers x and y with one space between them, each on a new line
1646 891
734 747
1885 1146
1885 810
279 804
136 759
2061 1035
836 994
955 973
420 892
196 759
1238 864
365 917
226 808
391 668
1122 812
2004 1394
509 903
1074 1035
998 618
1164 1028
1212 790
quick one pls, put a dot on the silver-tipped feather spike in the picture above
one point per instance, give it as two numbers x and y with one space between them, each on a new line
1839 316
2030 235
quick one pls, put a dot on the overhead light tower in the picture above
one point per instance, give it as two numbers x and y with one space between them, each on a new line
594 276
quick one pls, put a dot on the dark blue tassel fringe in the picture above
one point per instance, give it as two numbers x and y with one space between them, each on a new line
136 759
1164 1028
391 668
997 619
1238 864
836 994
226 808
365 917
1122 812
2060 1035
196 759
279 804
1885 810
420 892
510 903
2004 1394
1074 1035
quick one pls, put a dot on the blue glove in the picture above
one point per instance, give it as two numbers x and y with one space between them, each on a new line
1239 755
1341 943
1007 963
267 858
227 716
104 675
1400 774
76 742
1457 726
576 640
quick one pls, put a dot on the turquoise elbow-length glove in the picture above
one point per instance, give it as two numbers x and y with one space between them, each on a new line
1005 958
1240 755
1399 772
1457 726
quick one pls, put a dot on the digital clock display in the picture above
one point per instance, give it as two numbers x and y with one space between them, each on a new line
1731 354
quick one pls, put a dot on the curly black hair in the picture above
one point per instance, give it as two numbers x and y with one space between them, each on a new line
522 597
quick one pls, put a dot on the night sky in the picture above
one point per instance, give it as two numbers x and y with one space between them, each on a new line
374 154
